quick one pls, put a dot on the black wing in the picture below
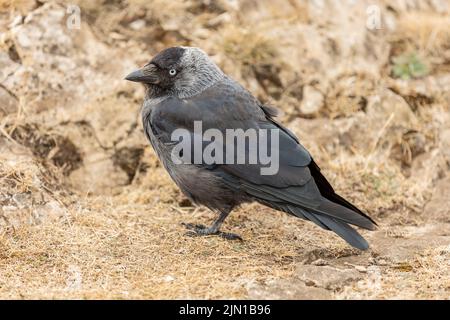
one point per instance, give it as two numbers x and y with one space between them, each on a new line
297 188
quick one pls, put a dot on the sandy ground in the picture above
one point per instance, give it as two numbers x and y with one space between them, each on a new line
87 211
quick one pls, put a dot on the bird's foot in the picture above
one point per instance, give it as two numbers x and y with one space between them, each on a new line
201 230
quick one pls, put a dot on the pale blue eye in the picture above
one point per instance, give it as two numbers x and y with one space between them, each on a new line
172 72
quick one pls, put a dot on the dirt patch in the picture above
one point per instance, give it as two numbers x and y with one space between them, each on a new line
60 150
129 160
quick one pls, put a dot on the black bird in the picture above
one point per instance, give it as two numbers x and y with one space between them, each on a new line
184 85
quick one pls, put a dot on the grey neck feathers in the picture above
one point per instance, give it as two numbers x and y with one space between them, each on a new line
200 73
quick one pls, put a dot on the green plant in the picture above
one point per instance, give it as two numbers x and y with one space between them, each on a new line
407 66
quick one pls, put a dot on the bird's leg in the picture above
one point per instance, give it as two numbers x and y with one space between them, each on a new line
201 230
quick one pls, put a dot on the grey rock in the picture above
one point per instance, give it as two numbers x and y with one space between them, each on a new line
294 289
327 277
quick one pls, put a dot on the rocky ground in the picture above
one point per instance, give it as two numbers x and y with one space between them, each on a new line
86 211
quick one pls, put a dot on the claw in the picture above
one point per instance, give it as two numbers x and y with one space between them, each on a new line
191 234
230 236
196 230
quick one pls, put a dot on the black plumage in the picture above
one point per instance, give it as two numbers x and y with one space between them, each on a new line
201 92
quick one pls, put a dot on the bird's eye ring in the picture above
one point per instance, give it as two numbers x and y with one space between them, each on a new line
172 72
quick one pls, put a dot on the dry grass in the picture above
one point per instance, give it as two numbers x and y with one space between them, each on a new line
109 248
415 279
106 226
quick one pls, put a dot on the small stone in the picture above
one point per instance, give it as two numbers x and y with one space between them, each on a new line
381 262
116 36
16 21
137 24
361 269
312 101
168 278
319 262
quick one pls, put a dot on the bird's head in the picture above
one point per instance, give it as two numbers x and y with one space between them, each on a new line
179 71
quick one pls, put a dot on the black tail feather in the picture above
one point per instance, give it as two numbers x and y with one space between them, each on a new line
341 228
345 232
327 191
344 214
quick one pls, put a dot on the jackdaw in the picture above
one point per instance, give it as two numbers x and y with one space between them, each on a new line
183 85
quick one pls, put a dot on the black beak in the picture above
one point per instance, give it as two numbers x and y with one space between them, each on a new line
147 75
135 76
